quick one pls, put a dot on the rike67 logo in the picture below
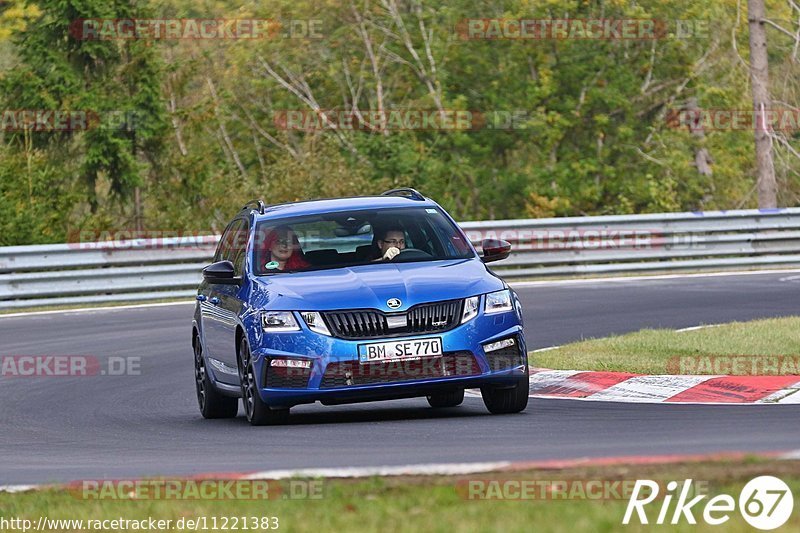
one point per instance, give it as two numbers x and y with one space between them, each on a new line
765 503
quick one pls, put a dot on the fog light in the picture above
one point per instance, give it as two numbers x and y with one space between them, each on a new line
499 345
290 363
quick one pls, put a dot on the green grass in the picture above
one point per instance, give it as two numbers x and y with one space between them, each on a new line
662 351
432 503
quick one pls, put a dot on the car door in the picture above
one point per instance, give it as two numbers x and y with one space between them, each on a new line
230 297
217 321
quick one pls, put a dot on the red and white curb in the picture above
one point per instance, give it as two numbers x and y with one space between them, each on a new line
638 388
455 469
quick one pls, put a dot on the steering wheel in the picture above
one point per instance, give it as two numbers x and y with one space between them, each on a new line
411 253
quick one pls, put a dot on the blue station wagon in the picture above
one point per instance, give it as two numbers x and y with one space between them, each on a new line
354 299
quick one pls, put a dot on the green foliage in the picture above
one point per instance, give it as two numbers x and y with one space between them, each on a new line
101 78
590 132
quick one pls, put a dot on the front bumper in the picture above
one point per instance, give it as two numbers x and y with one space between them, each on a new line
336 376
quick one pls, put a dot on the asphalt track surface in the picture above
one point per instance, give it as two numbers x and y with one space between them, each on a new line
69 428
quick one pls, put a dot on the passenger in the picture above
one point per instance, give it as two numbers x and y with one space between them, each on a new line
284 250
389 243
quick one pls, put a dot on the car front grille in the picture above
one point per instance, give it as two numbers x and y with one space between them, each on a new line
507 357
350 373
357 324
286 378
369 323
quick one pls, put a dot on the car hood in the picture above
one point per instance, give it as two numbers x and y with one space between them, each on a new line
370 286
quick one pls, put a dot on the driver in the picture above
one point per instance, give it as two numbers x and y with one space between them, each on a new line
390 242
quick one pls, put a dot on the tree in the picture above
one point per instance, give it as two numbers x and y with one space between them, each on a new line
759 82
115 81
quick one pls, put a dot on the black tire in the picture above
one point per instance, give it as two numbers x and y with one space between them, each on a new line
500 401
212 403
446 399
257 412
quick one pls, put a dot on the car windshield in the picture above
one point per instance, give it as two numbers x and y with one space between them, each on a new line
334 240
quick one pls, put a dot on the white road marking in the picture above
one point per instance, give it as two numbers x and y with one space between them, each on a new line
523 284
546 349
17 488
445 469
695 328
92 309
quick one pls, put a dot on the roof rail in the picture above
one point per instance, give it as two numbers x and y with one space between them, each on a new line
406 192
256 204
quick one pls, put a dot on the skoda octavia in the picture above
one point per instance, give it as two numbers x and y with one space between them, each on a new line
354 299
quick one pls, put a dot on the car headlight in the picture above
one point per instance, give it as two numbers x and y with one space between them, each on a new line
315 323
276 321
470 308
498 302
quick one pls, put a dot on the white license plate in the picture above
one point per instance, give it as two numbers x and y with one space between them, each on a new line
397 350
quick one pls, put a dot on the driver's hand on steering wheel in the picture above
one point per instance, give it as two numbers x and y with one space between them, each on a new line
391 253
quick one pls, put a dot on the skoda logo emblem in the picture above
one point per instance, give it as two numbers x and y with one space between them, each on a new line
394 303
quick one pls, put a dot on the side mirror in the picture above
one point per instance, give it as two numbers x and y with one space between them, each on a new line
221 272
495 250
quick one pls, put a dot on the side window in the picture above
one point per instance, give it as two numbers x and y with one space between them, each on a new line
224 246
239 246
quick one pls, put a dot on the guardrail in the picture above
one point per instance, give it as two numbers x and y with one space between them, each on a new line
139 270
